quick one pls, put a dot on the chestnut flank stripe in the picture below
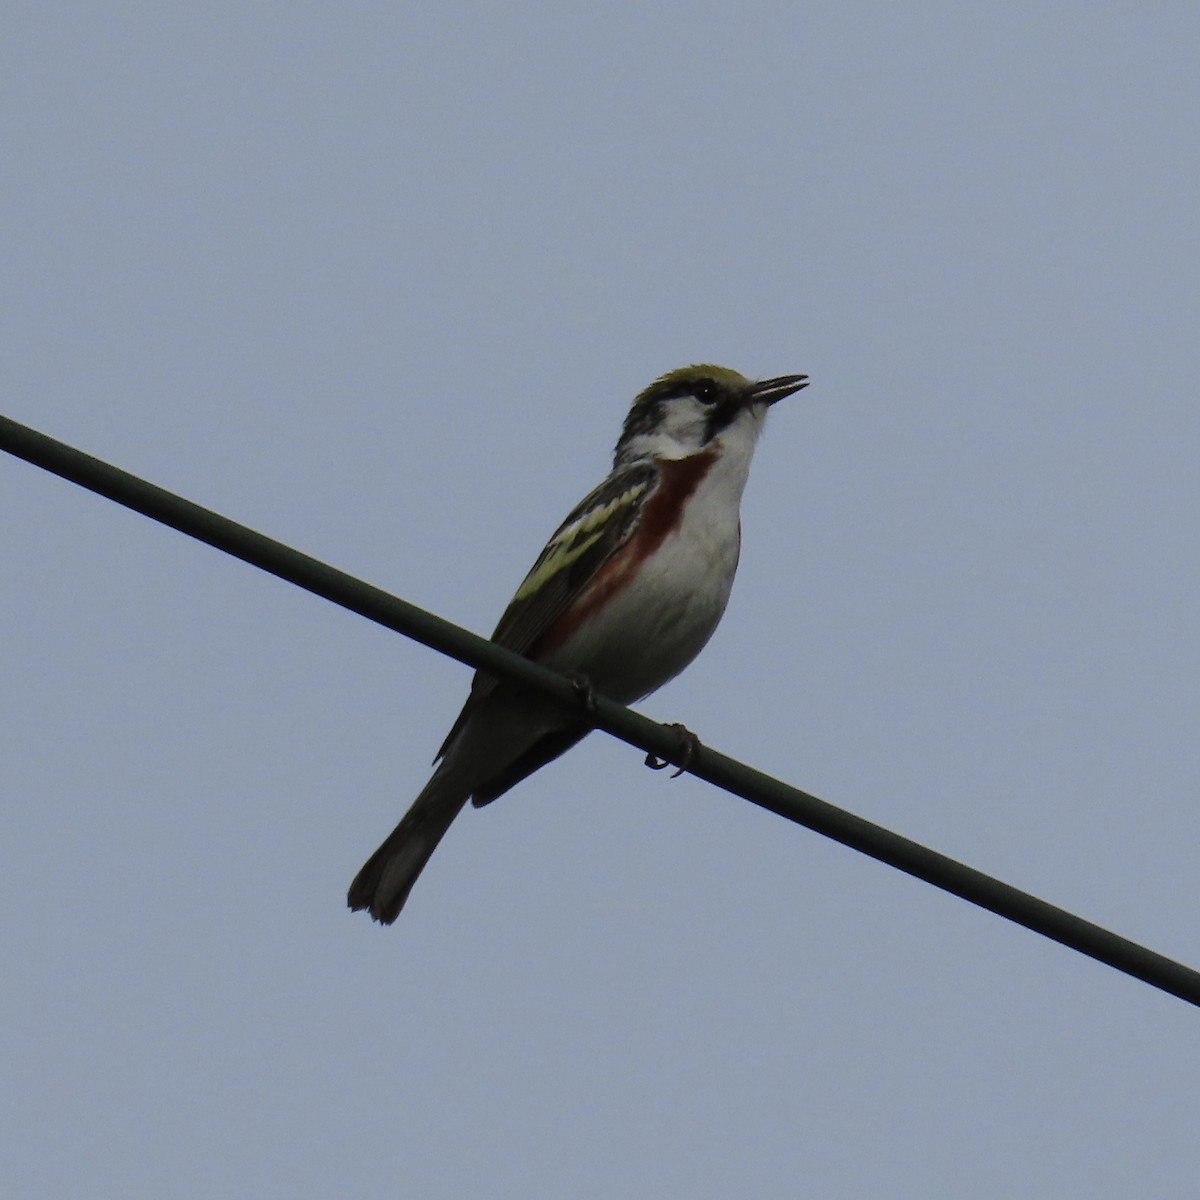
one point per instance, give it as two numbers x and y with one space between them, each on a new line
661 516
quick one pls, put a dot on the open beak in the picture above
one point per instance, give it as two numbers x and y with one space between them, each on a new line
768 391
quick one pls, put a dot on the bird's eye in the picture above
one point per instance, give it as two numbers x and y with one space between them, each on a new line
705 391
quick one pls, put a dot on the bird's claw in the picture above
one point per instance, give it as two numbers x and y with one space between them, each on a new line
689 747
584 691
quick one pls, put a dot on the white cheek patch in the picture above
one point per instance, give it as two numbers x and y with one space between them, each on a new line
686 422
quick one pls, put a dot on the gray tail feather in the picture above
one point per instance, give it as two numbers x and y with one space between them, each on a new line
383 884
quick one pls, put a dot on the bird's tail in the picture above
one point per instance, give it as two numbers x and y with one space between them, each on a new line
383 884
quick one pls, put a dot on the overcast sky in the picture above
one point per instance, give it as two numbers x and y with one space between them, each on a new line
380 281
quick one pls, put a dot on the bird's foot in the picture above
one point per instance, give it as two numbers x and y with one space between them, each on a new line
689 747
584 691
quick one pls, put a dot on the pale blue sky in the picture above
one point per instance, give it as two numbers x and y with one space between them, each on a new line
380 281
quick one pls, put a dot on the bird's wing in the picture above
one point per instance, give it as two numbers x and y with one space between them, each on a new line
594 530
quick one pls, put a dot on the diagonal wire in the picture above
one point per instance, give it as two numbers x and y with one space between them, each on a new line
660 740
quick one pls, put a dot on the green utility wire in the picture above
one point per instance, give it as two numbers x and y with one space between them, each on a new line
660 740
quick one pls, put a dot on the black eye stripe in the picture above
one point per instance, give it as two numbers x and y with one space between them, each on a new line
705 390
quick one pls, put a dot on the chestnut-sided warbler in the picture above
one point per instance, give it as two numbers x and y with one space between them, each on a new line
625 595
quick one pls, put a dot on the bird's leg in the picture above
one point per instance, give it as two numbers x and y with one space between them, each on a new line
689 747
584 691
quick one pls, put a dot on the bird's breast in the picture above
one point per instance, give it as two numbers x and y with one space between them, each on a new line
651 608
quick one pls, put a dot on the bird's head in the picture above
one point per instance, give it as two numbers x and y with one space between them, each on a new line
685 410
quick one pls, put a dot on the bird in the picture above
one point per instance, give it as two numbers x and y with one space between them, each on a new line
624 595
